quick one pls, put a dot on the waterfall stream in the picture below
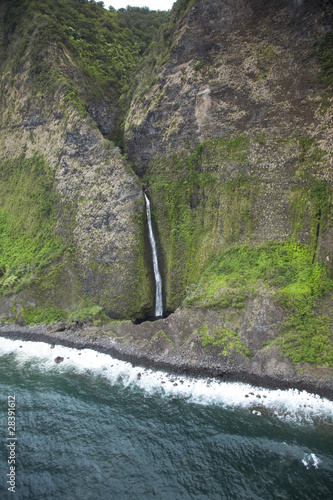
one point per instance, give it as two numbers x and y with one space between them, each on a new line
157 275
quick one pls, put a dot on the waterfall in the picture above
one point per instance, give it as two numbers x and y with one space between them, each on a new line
157 275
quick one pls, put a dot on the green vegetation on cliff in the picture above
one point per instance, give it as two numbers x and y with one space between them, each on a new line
225 338
159 50
35 315
193 205
49 315
241 196
325 56
296 284
78 48
60 61
209 203
28 214
210 198
106 44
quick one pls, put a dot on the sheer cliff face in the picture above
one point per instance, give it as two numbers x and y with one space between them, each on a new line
234 66
97 202
230 129
234 133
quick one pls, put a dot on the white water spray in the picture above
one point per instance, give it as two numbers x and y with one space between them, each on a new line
286 405
157 275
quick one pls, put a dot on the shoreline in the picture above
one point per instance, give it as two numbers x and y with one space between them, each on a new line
264 369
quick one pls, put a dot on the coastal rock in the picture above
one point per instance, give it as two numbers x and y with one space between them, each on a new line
59 327
140 345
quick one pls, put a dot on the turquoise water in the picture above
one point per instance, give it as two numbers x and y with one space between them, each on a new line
93 427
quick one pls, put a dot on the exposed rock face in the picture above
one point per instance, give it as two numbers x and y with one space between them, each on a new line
104 116
234 66
240 79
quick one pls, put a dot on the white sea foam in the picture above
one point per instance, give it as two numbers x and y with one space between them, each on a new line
288 405
310 460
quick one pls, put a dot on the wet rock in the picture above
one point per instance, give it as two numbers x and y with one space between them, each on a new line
58 327
59 359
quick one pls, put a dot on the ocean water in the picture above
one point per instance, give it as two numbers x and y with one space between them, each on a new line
93 427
